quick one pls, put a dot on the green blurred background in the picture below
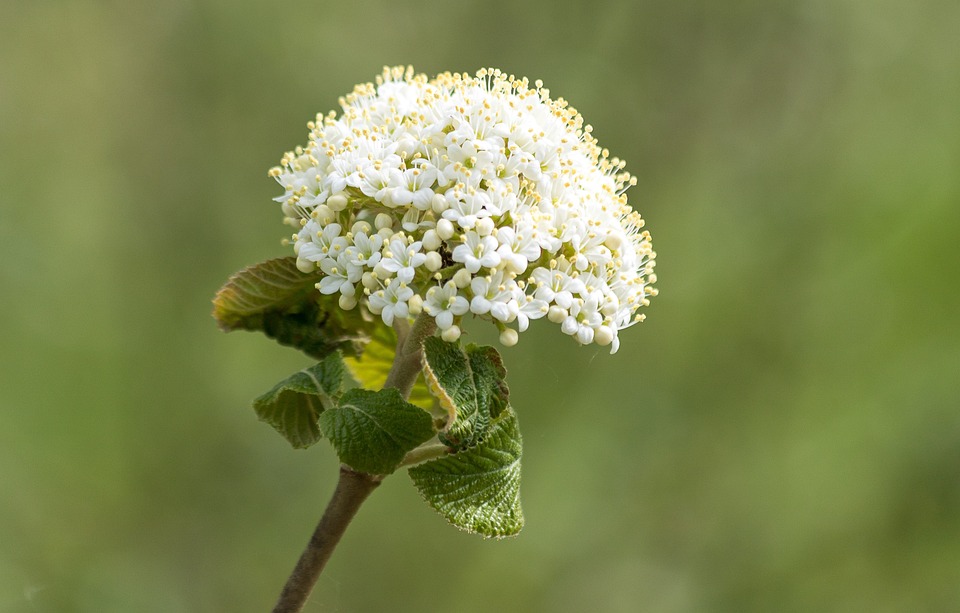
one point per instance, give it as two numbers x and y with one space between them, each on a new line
782 434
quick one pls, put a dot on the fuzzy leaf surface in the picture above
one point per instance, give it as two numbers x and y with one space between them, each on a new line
471 386
373 431
294 405
478 489
275 298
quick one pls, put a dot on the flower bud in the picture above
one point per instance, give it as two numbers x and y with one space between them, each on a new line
557 314
439 204
337 202
347 302
324 215
431 240
509 337
445 229
306 265
361 227
462 278
603 336
415 304
451 334
434 261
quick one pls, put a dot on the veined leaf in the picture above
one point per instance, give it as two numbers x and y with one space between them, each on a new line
478 489
294 405
373 431
470 385
268 286
370 368
274 297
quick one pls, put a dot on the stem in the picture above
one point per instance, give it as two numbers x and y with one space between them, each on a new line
406 365
352 489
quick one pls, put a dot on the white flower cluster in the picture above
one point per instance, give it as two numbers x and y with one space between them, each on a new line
468 195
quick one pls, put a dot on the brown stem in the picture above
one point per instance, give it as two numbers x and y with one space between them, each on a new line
352 489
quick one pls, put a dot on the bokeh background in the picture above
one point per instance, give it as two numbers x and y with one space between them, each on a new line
782 434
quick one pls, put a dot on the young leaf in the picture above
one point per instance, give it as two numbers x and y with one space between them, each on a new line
370 369
373 431
293 406
471 386
275 298
268 286
478 489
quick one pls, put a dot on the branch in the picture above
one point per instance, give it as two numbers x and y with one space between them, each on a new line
352 489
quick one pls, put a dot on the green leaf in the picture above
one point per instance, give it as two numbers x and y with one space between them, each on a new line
373 431
470 385
478 489
370 369
268 286
275 298
293 406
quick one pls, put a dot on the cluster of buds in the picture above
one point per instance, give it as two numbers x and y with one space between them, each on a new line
468 195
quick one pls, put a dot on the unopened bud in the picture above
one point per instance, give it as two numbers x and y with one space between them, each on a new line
451 334
415 304
306 265
434 261
439 204
509 337
431 240
603 336
337 203
445 229
557 314
462 278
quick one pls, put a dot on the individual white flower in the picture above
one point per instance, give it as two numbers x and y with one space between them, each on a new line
314 244
365 251
556 286
444 304
467 208
341 275
476 252
402 258
583 319
379 183
495 295
530 308
416 187
517 248
391 301
485 182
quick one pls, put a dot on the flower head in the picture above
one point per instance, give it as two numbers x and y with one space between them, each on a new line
479 195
